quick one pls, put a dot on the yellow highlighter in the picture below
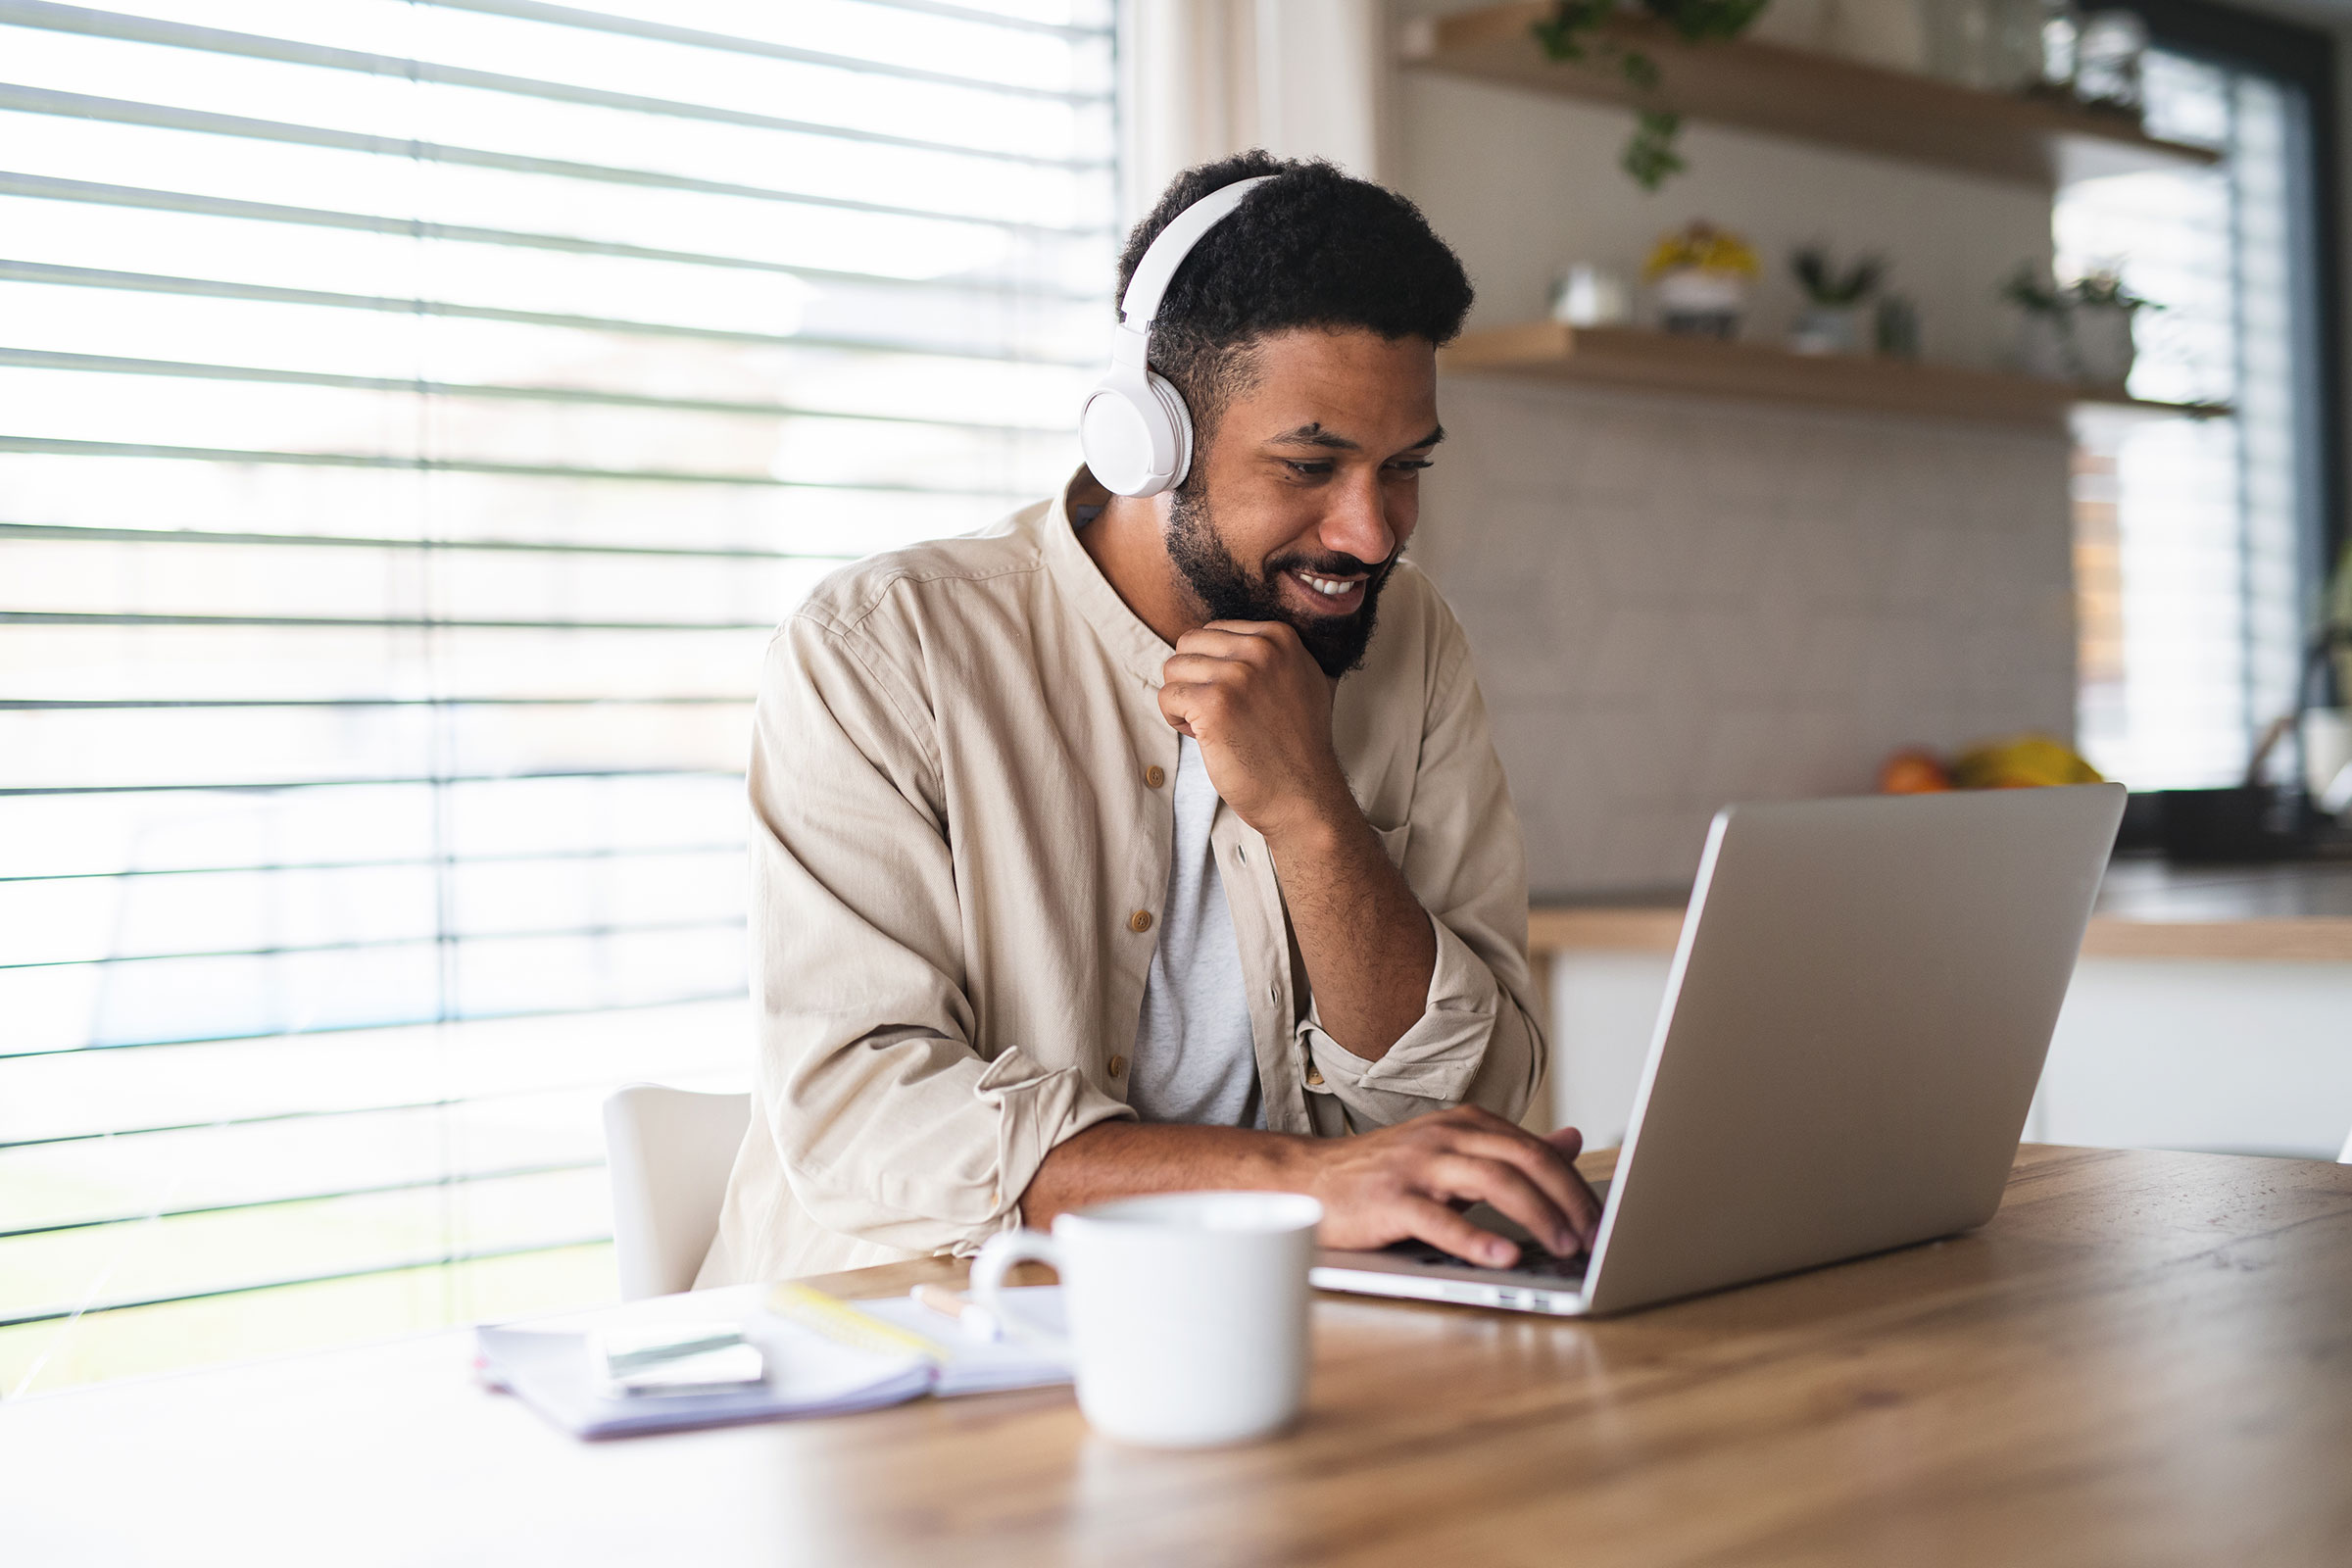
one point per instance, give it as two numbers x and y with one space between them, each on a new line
837 1320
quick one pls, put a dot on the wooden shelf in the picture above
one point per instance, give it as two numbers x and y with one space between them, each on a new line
1814 97
1663 362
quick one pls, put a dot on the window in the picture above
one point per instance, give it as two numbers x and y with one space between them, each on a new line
414 417
2198 544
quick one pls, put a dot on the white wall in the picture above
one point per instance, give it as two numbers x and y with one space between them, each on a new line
2148 1053
1678 604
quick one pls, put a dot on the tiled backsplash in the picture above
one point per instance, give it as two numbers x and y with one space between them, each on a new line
1679 603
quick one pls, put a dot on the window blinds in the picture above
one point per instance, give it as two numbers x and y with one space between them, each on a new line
2194 540
414 419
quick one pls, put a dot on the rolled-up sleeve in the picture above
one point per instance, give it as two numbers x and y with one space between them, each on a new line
1477 1041
888 1125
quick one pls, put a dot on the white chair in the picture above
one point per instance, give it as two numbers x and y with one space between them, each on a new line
670 1152
2346 1158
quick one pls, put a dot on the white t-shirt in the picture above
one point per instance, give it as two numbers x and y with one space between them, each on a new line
1194 1058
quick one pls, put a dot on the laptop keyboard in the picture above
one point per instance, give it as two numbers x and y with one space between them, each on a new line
1534 1263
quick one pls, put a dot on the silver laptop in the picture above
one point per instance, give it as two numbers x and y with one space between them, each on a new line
1853 1027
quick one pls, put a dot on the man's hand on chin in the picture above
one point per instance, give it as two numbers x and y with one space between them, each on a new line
1259 706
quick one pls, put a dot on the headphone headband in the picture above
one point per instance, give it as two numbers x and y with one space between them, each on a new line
1140 305
1135 431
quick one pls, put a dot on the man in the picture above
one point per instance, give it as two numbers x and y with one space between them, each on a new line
1113 851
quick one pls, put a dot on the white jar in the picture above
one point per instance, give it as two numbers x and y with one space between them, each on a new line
1701 300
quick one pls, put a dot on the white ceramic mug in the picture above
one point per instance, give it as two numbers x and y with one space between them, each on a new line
1187 1311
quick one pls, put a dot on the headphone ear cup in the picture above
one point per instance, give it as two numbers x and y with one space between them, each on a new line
1180 424
1116 437
1126 432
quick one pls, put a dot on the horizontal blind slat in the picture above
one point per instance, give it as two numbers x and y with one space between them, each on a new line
43 617
128 112
53 446
321 1114
94 1309
49 188
608 851
638 28
26 272
454 1179
330 541
105 363
184 35
438 779
327 1031
376 945
114 705
994 19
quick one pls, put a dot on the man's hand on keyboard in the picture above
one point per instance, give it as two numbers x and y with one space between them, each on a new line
1406 1181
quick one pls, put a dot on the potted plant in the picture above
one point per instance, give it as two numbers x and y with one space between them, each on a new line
1831 322
1572 31
2080 332
2043 346
1701 275
2100 310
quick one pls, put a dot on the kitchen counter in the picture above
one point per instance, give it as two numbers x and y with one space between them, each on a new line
2297 913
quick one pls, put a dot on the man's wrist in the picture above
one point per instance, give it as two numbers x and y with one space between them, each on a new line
1315 829
1295 1165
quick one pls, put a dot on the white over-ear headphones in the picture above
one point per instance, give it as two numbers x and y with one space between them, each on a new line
1135 432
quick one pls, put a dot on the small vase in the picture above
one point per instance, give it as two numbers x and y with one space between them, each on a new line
1827 330
2102 345
1589 296
1700 301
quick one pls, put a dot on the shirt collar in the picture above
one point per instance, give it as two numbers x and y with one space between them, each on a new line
1081 583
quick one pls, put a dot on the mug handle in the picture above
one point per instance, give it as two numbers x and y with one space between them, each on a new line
996 1258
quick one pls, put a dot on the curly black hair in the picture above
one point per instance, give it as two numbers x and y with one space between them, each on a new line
1314 247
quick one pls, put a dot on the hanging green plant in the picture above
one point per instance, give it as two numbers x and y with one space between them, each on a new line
1575 31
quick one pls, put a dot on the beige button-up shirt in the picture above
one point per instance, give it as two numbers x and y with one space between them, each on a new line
960 832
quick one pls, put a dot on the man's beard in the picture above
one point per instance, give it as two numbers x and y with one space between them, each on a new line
1229 592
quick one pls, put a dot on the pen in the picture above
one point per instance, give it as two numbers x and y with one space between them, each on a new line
975 1320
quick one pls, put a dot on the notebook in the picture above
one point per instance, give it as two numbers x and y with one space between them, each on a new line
553 1366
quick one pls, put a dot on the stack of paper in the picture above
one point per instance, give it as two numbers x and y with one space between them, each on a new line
554 1366
557 1374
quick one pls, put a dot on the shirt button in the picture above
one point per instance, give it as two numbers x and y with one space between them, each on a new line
1119 1066
1140 921
1314 1076
1155 775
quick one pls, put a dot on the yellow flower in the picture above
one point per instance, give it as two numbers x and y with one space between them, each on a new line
1702 246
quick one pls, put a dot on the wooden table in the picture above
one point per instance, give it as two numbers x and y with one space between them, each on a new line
2145 1358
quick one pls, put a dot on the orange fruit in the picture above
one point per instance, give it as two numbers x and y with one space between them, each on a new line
1913 771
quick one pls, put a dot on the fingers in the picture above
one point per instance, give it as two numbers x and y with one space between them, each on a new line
1426 1219
1542 1165
1279 632
1176 706
1512 1194
1569 1143
1196 668
1250 641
